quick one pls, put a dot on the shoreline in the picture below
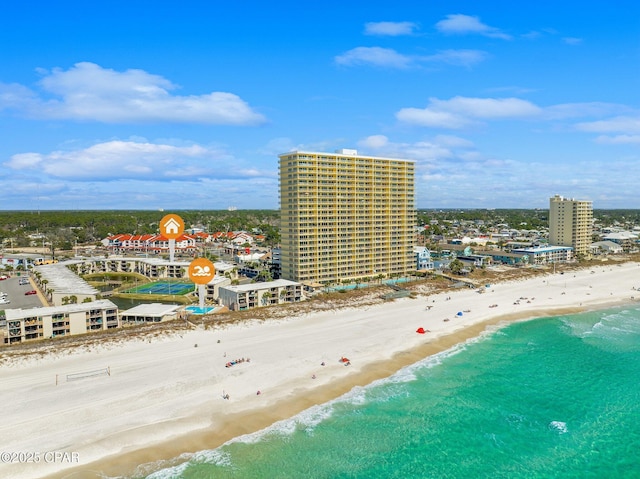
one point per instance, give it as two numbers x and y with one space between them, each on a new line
166 408
239 424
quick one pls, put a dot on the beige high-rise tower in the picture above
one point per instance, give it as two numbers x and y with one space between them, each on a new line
345 216
570 224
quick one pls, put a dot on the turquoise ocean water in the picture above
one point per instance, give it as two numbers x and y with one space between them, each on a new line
549 398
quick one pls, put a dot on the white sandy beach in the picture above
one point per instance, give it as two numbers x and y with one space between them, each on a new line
165 396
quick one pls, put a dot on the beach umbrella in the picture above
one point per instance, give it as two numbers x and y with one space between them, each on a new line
420 330
459 313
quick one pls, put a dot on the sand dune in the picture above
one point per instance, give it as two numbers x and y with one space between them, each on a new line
152 400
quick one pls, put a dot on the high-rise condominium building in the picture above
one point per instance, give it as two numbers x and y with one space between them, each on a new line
570 224
345 216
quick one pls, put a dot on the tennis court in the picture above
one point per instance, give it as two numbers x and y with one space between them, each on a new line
162 287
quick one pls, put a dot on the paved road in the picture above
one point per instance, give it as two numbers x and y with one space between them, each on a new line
16 296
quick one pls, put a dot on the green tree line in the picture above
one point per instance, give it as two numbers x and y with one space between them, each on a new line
65 228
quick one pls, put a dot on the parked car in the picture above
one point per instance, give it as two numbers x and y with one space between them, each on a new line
33 291
4 301
23 281
4 276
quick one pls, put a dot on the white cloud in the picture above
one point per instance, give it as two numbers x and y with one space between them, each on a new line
428 152
462 111
430 117
458 57
123 159
627 129
465 24
15 96
89 92
618 140
452 141
488 107
278 146
585 109
24 160
377 56
374 142
425 152
200 193
389 58
621 124
390 28
452 172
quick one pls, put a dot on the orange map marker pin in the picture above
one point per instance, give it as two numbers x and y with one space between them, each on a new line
201 271
171 226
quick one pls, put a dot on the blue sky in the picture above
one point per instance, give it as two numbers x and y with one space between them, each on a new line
186 105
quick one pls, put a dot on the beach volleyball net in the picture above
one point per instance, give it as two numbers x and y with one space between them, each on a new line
89 374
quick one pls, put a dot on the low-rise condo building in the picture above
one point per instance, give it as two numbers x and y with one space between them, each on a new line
20 325
256 295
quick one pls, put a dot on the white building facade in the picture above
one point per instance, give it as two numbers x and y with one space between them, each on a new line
257 295
20 325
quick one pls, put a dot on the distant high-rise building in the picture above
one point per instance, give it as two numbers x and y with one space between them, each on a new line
570 224
345 216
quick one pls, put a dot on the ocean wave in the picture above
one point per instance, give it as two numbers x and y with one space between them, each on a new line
309 419
172 472
603 324
559 426
216 457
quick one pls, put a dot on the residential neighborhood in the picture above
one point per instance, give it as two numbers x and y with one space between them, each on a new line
249 271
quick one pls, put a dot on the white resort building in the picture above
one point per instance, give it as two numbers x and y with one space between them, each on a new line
256 295
21 325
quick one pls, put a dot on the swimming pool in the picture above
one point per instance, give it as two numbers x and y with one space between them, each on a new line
199 310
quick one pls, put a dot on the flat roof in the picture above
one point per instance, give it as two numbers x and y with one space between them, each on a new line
62 280
341 155
20 313
278 283
542 249
152 309
151 261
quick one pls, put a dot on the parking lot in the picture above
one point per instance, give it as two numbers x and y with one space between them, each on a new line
15 294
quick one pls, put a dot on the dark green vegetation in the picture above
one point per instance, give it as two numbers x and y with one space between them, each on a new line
520 219
63 229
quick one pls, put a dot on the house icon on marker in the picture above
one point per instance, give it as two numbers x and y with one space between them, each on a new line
171 226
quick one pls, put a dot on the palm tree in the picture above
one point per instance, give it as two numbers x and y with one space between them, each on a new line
456 266
266 296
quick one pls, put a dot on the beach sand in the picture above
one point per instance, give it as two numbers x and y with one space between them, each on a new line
164 397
